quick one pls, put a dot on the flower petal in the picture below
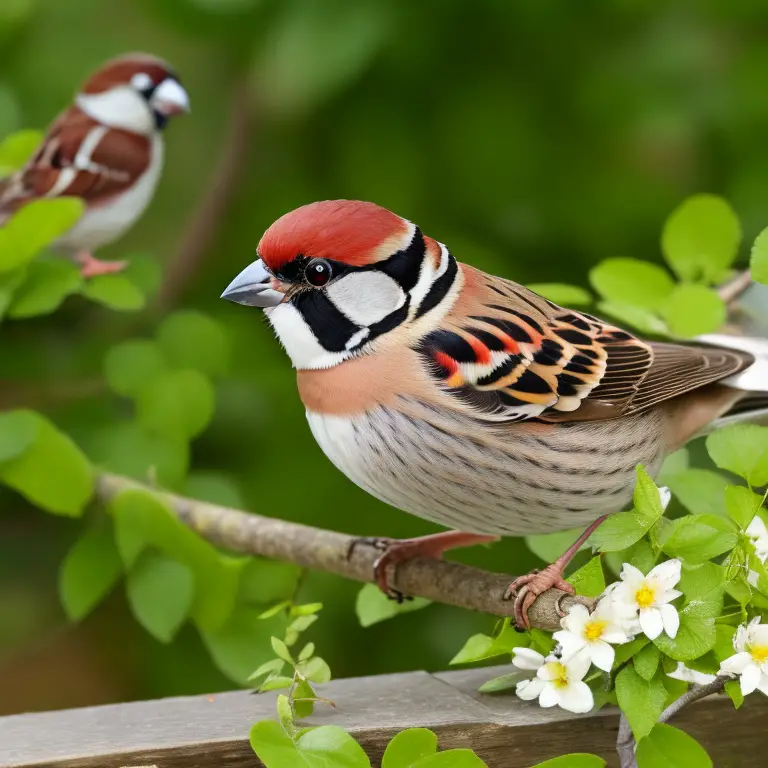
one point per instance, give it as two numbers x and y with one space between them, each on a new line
667 573
577 666
690 675
750 678
575 620
615 634
569 643
602 655
736 664
528 690
631 576
525 658
548 697
756 529
670 618
651 622
576 697
763 684
665 496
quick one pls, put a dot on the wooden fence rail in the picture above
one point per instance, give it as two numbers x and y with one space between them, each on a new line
212 731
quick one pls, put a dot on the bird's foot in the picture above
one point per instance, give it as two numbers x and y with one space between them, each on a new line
395 551
525 590
91 266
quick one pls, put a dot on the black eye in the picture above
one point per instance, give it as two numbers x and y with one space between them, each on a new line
318 272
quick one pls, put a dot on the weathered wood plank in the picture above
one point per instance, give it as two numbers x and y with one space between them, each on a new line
212 731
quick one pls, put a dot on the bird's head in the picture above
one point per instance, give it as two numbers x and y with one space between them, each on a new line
136 92
336 275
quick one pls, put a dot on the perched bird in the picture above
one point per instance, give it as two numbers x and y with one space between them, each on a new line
469 400
107 149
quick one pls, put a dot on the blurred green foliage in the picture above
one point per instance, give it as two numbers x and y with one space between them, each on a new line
534 138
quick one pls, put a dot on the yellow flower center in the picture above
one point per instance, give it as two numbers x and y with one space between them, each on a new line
759 653
645 596
559 674
593 630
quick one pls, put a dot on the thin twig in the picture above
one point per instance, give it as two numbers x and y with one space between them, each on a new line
203 223
729 292
322 550
625 741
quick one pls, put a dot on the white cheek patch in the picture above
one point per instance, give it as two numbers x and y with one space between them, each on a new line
120 107
366 297
298 340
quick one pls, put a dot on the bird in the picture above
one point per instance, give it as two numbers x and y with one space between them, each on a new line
469 400
106 149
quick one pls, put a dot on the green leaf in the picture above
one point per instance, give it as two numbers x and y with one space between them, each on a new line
742 505
646 661
17 148
549 546
669 747
215 488
642 320
306 652
695 637
242 643
562 294
589 580
114 291
35 226
316 670
160 593
501 683
373 606
674 464
264 582
281 650
142 516
144 272
306 609
132 365
191 339
703 587
46 284
408 746
698 490
451 758
305 691
632 282
575 760
271 667
743 450
701 238
626 651
642 701
759 258
322 747
89 572
733 689
275 684
692 310
178 404
698 538
18 430
51 472
9 282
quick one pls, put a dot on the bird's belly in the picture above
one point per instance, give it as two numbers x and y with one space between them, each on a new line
512 482
104 223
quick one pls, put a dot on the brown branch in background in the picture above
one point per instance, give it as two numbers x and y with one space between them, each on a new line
443 582
203 223
625 741
48 395
731 291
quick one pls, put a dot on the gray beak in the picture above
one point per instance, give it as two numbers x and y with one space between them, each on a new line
252 287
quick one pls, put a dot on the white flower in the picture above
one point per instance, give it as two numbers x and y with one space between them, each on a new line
664 496
758 533
750 662
648 597
691 675
590 633
557 682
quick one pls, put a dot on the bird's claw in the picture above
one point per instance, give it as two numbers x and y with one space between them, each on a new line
525 589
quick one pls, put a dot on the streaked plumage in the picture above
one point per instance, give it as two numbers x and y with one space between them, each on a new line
467 399
107 150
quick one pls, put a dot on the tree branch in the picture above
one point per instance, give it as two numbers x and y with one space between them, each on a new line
443 582
625 741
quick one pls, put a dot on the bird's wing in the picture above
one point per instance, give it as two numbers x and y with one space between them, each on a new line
79 157
510 354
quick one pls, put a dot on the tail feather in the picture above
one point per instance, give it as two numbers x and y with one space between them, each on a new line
754 378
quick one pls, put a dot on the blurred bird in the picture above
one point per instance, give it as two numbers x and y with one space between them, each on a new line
106 149
469 400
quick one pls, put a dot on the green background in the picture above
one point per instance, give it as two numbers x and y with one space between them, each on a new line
533 137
